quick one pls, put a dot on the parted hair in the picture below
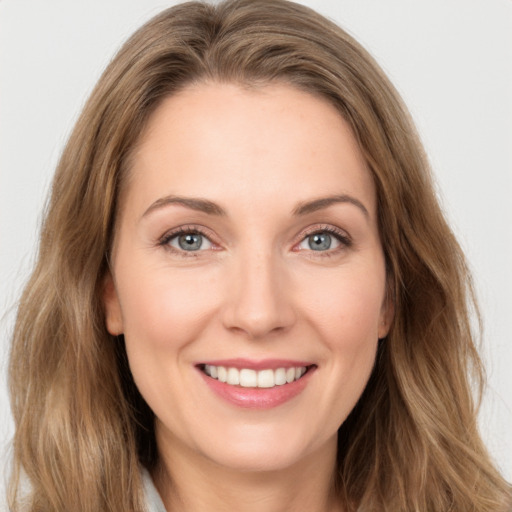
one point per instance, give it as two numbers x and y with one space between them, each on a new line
82 429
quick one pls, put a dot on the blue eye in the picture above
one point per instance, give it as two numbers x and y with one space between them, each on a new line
323 241
190 242
319 241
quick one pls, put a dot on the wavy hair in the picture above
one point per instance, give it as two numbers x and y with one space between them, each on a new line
82 428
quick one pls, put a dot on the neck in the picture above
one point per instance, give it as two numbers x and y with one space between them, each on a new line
189 482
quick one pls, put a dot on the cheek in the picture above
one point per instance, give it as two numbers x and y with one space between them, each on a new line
344 309
167 309
350 331
164 312
352 344
346 305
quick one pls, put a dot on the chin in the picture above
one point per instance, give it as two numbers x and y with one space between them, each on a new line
265 451
255 460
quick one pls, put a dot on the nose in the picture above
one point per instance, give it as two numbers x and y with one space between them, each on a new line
259 299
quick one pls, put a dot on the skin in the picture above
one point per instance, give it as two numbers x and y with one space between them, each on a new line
255 289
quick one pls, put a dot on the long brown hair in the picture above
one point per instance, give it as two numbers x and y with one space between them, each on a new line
82 428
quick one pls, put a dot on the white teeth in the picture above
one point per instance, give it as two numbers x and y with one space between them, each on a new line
233 377
222 374
266 379
248 378
280 376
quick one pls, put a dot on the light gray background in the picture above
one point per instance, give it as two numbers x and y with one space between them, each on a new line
450 59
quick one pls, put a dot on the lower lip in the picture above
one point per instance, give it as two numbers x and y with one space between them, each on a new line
257 398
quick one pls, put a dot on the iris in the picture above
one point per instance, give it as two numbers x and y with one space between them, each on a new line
319 241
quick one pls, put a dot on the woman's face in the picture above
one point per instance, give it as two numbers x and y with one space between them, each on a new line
247 251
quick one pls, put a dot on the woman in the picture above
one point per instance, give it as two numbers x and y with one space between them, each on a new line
246 294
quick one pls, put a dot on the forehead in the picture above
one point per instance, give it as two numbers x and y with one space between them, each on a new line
266 144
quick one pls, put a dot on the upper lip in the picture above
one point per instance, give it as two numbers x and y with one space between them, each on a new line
252 364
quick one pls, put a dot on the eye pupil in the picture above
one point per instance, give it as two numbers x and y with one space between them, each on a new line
319 241
190 242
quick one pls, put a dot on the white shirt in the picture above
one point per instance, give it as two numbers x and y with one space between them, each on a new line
153 500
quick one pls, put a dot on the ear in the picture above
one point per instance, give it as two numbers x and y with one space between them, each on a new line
387 314
112 307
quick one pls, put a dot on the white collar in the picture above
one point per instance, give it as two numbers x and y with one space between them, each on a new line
153 501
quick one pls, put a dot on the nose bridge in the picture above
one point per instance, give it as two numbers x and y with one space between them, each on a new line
259 302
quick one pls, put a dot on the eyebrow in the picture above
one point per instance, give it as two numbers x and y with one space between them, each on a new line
211 208
194 203
324 202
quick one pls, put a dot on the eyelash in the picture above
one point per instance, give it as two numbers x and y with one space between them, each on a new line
184 230
339 235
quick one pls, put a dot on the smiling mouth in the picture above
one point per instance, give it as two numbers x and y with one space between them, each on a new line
249 378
